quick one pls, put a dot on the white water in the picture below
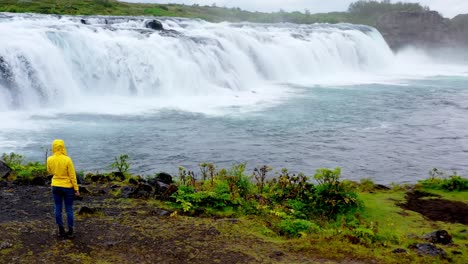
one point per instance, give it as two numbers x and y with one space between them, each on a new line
296 96
59 63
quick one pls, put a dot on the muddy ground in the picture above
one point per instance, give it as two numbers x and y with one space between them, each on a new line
134 231
120 232
436 209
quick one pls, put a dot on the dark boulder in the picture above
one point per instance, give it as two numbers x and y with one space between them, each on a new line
83 189
118 175
133 181
100 178
428 249
86 210
3 184
5 170
80 179
160 187
141 191
399 250
164 177
38 181
438 237
166 195
154 24
127 191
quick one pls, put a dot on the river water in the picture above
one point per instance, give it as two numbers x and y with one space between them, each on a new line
300 97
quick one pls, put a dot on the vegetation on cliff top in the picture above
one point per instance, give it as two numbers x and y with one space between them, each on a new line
360 12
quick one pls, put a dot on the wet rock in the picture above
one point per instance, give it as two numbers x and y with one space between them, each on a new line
164 177
83 189
428 249
38 181
154 24
160 213
86 210
212 232
143 191
100 178
80 179
5 170
165 191
277 254
3 184
161 187
83 21
399 250
381 187
230 220
133 181
5 244
118 175
110 243
438 237
127 191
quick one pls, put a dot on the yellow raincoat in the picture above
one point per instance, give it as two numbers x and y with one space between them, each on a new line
61 166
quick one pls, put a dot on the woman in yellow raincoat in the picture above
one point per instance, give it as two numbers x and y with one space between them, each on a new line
64 185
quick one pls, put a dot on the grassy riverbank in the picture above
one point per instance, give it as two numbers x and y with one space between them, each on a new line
232 216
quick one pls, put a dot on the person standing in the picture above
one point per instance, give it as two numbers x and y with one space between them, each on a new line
64 185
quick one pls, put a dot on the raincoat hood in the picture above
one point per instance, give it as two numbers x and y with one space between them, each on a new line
58 147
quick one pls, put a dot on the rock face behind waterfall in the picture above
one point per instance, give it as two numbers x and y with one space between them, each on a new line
421 29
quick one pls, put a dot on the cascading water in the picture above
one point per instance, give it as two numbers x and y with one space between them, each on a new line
283 95
55 61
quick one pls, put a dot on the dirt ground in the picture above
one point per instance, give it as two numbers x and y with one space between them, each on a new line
436 209
134 231
120 232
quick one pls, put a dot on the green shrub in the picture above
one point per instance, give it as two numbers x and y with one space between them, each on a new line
438 181
24 176
296 227
191 201
121 163
13 160
455 183
331 196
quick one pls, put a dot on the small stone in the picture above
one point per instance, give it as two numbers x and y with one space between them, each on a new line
86 210
5 244
428 249
399 250
438 237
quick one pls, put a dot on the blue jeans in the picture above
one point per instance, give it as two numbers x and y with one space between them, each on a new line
61 195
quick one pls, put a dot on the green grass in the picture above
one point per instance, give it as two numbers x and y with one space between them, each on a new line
209 13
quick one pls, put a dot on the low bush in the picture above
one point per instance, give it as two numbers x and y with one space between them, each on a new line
439 181
297 227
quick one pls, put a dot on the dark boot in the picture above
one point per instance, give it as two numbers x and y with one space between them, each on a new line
61 231
70 232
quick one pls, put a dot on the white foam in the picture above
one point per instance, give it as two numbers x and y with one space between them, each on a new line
58 65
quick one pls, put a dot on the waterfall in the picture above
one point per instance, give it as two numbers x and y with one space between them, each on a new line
57 60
